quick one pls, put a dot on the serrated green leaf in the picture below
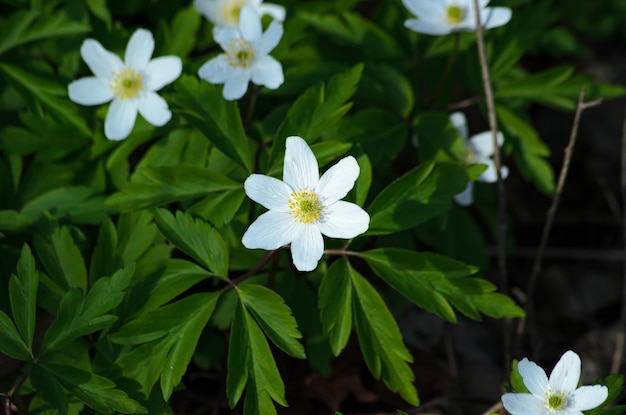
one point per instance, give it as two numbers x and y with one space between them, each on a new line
274 317
66 202
385 354
335 302
62 258
48 388
104 260
542 87
196 238
23 295
219 208
11 344
11 220
107 293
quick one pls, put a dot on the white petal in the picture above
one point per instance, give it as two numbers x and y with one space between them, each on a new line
307 248
154 109
482 143
90 91
425 9
300 170
344 220
277 12
268 191
120 119
217 70
237 84
338 180
208 8
566 373
162 71
270 39
250 24
428 28
495 17
589 397
466 197
458 121
224 36
535 378
271 230
523 404
268 72
102 63
139 49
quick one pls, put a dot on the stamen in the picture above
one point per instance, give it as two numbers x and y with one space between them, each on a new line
126 83
231 11
305 206
555 400
455 15
240 53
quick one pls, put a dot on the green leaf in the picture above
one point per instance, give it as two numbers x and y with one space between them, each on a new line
383 85
48 388
62 258
202 105
385 354
153 186
220 207
107 293
196 238
316 111
517 382
11 344
274 316
335 302
67 202
104 260
11 220
95 391
99 9
181 38
23 294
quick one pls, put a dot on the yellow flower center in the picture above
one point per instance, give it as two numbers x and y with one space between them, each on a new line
126 83
240 53
231 10
305 206
555 400
455 15
470 156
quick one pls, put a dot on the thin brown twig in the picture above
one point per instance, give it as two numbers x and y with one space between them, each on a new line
618 355
501 221
446 71
494 408
255 269
536 269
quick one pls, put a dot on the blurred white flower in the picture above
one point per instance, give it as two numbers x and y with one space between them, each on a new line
559 395
440 17
246 57
304 206
226 13
130 84
478 150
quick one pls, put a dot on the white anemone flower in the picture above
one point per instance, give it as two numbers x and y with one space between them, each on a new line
226 13
559 395
440 17
130 84
246 57
304 206
478 150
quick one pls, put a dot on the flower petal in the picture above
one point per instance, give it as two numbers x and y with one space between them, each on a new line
139 49
344 220
224 36
482 143
270 231
208 8
589 397
429 28
307 248
466 197
300 170
217 70
270 39
162 71
566 373
338 180
495 17
458 121
90 91
102 63
268 191
535 378
237 84
268 72
120 119
426 9
154 109
250 24
523 404
277 12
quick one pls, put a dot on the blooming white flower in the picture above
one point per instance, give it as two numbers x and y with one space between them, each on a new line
478 150
440 17
304 206
245 57
130 84
226 13
559 395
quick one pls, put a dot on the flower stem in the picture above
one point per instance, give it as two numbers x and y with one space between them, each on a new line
446 71
251 105
255 269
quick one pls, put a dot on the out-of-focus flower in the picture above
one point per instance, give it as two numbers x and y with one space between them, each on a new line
440 17
304 206
226 13
559 395
246 57
478 150
130 84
